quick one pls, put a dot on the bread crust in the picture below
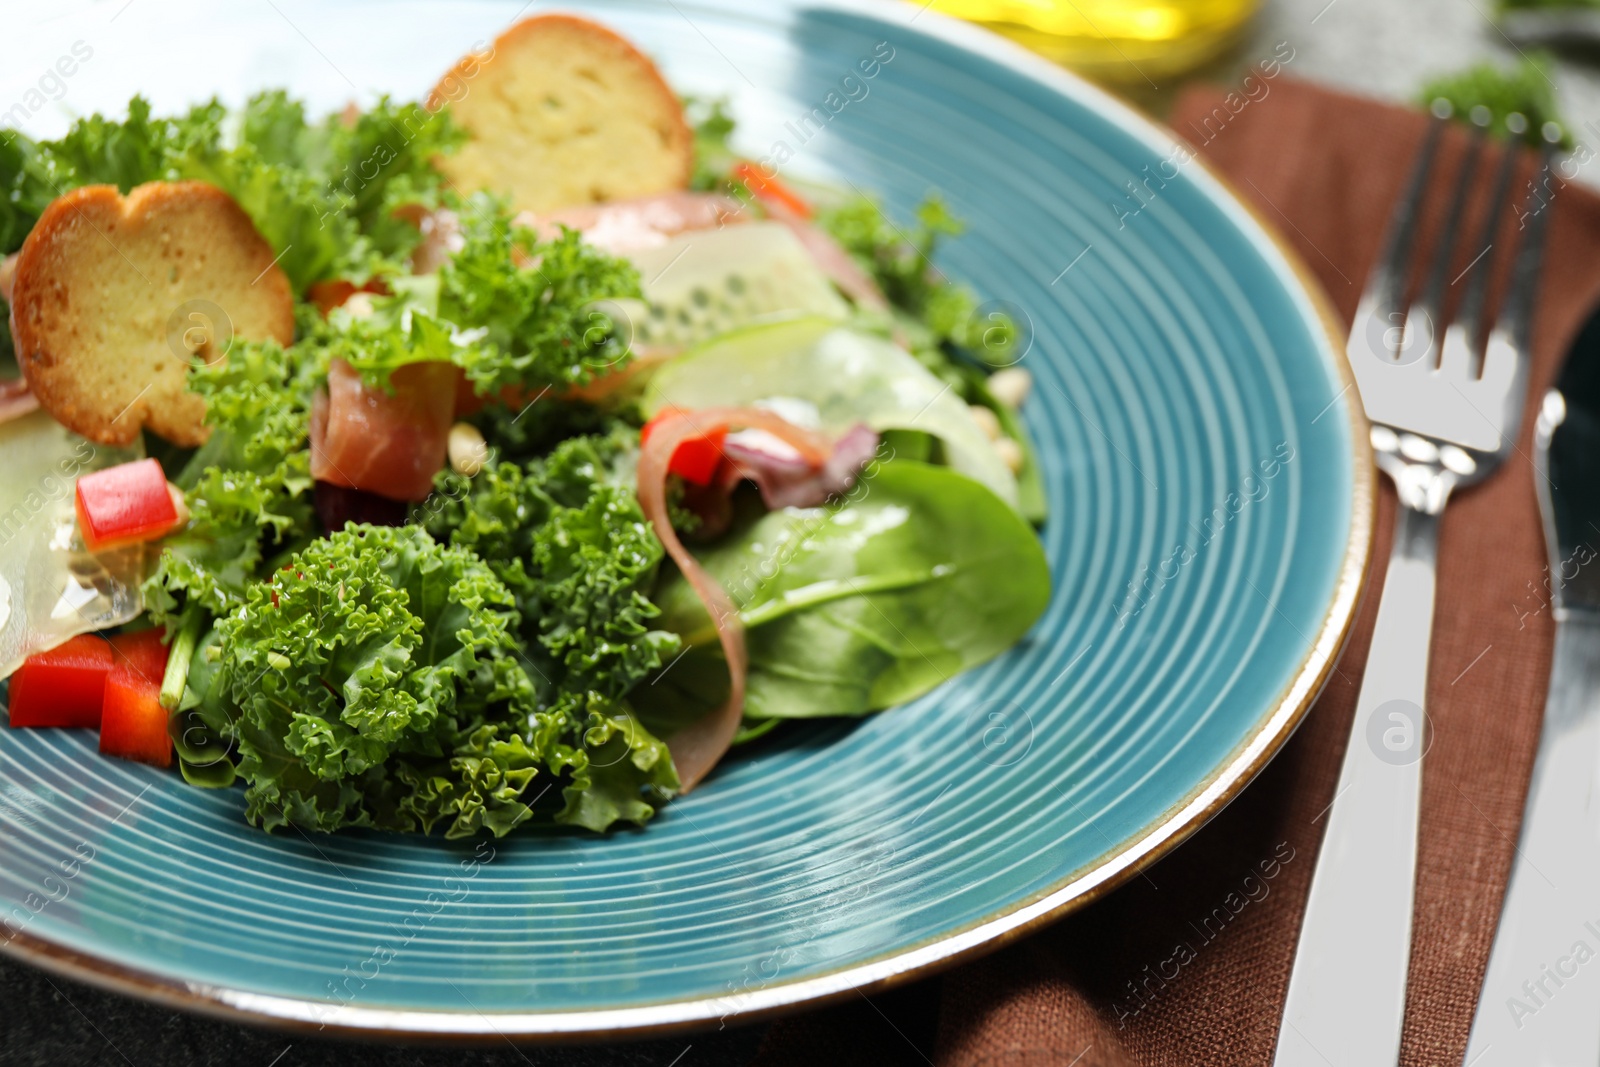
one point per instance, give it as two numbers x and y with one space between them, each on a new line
479 76
98 283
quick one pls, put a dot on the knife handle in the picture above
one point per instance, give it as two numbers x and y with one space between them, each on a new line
1540 1002
1347 992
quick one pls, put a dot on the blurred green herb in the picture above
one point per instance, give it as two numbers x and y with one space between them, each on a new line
712 127
1524 88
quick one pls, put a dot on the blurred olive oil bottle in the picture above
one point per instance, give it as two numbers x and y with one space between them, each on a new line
1121 42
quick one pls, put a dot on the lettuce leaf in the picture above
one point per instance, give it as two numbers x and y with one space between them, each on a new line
323 194
24 190
916 575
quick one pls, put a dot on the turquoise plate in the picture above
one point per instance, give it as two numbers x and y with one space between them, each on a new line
1212 503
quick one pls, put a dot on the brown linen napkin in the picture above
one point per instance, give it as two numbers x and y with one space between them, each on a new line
1189 965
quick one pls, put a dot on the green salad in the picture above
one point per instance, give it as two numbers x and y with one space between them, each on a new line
532 515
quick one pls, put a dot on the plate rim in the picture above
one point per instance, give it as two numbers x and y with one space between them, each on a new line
995 930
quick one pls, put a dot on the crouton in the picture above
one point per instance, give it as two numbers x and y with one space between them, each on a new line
564 112
115 299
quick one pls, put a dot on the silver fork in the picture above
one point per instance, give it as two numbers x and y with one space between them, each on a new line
1445 413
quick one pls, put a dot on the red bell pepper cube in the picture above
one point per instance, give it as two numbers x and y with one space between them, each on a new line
62 687
696 459
125 504
142 652
133 724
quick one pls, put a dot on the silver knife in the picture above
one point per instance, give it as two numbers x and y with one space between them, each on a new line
1540 1004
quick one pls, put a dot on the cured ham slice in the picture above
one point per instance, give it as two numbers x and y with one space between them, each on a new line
16 400
388 443
697 748
624 227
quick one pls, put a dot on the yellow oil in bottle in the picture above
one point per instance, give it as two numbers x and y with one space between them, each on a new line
1128 42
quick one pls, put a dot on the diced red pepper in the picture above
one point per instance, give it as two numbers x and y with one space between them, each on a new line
125 504
133 724
142 652
62 687
769 188
697 458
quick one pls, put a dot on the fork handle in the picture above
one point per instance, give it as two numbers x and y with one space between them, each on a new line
1347 991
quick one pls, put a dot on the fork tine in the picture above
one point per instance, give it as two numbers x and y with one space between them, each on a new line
1434 285
1516 313
1470 312
1389 273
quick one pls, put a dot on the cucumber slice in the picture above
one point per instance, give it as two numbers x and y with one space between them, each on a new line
844 376
707 282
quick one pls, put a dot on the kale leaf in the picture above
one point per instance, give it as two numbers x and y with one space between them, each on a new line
534 302
247 487
377 681
521 316
567 537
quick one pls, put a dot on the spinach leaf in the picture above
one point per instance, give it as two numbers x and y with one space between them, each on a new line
916 575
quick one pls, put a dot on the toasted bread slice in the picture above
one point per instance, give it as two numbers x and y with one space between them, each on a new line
564 112
116 298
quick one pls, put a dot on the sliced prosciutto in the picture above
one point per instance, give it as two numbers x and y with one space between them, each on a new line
785 477
389 443
16 400
624 227
697 748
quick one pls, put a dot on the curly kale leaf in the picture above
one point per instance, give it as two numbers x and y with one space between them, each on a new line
622 772
514 312
383 160
247 487
24 189
138 149
326 194
567 537
535 303
393 336
377 682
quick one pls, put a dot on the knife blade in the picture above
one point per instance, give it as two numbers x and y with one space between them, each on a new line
1540 1003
